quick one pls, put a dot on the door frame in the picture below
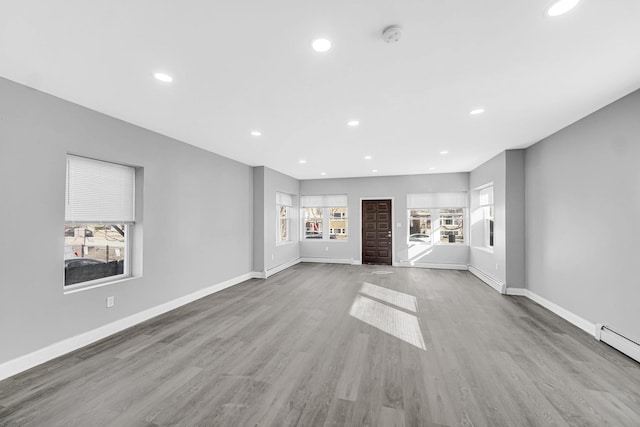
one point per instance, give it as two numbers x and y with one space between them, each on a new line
393 226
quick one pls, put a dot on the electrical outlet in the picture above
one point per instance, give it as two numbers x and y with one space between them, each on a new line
111 302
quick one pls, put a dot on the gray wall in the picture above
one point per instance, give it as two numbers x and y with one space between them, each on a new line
192 240
582 210
259 221
491 263
268 253
505 263
396 187
515 218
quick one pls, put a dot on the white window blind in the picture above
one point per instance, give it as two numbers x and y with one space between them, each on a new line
324 201
99 192
284 199
437 200
486 196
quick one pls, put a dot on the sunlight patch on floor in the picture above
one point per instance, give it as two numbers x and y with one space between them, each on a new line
399 299
395 322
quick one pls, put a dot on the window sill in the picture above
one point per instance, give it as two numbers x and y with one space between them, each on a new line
288 242
80 287
326 241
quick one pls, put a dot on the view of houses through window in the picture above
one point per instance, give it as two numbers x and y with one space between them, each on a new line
316 218
325 217
93 251
433 226
436 218
451 225
420 225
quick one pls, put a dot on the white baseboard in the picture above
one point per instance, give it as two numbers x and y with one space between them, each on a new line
328 260
495 284
431 265
28 361
570 317
279 268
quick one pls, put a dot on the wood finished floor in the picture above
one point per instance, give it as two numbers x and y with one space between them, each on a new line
286 351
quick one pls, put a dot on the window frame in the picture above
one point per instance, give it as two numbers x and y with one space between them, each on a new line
437 204
326 203
283 200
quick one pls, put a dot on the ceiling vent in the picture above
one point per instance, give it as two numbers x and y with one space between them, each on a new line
392 34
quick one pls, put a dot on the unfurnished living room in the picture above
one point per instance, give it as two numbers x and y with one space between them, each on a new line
340 213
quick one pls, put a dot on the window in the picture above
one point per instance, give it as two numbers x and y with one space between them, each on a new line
436 218
99 218
420 225
485 202
284 202
312 223
338 222
325 217
451 225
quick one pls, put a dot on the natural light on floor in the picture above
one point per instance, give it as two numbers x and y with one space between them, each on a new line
406 301
388 319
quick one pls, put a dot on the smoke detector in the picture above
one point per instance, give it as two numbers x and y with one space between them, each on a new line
392 34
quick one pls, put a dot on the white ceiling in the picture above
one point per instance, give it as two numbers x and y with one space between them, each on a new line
245 65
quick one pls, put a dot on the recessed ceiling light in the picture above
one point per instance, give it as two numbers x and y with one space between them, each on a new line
256 133
444 152
476 111
166 78
323 173
302 161
561 7
375 171
353 123
367 157
431 169
321 45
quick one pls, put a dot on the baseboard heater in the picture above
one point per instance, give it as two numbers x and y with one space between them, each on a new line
618 341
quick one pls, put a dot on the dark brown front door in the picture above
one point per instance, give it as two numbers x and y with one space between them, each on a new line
376 232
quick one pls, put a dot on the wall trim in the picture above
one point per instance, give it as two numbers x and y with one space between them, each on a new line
38 357
279 268
494 283
521 292
567 315
327 260
435 265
